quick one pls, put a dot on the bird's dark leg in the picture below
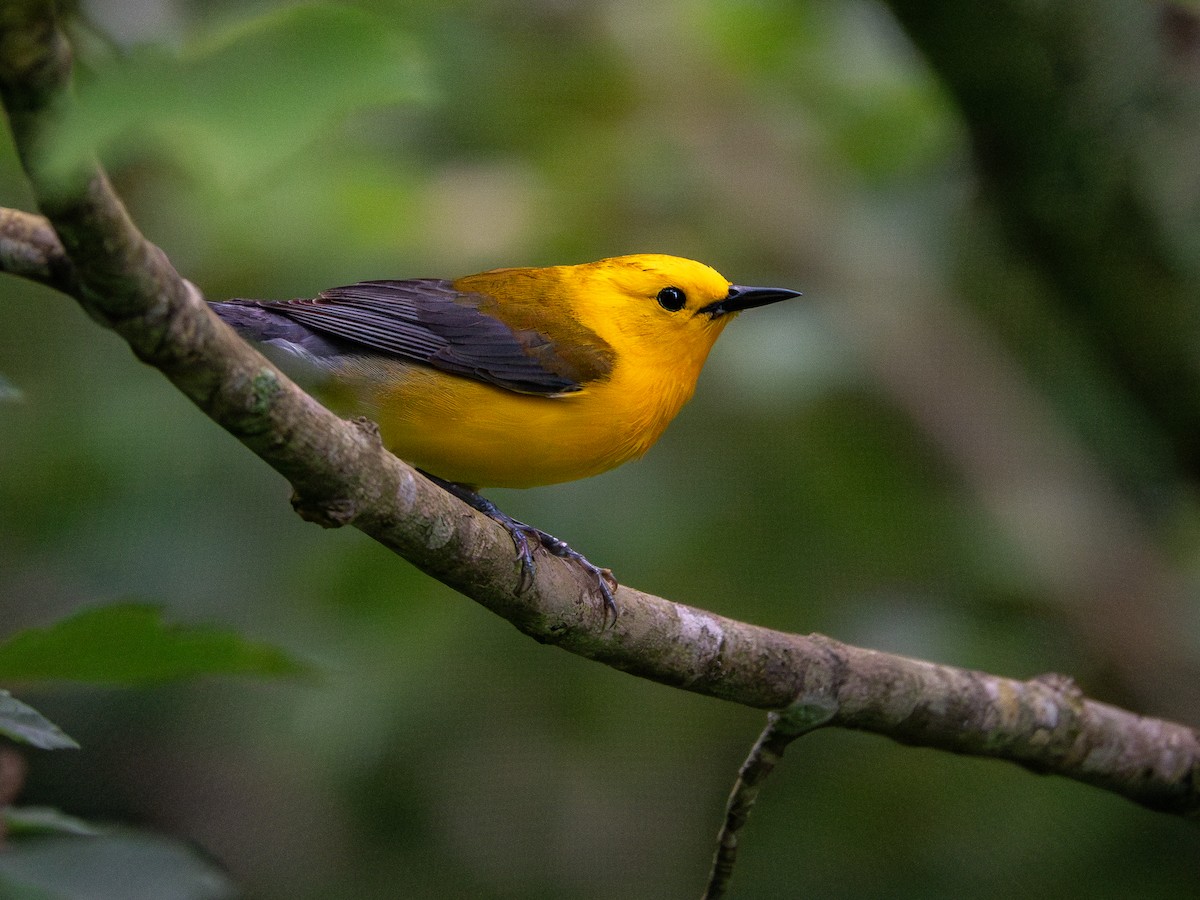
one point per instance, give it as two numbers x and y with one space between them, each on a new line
522 534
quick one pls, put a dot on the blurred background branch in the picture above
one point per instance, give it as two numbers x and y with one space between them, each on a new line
1080 116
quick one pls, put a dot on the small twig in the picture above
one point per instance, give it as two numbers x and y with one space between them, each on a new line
781 729
30 248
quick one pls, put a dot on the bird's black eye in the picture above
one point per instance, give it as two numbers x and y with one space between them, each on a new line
672 299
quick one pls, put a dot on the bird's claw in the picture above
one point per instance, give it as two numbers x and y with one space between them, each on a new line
520 534
524 535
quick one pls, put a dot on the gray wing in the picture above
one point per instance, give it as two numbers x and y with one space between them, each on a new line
423 321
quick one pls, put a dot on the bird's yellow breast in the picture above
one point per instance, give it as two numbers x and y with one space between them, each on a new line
477 434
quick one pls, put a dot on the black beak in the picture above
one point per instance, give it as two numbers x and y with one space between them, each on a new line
741 297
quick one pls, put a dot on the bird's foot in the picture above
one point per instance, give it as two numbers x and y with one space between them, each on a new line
604 582
524 537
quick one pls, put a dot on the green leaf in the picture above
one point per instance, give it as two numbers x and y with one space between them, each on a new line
131 644
120 865
25 821
237 105
21 722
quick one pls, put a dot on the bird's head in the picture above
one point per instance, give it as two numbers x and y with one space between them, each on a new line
656 298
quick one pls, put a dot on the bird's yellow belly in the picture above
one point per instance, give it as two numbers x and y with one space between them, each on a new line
484 436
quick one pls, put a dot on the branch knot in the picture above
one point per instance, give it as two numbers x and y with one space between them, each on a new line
335 513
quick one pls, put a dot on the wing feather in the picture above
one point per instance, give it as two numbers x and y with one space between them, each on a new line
427 321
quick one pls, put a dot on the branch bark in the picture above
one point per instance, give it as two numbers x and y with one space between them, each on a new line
343 476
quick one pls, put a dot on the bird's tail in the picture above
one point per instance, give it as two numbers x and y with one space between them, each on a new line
256 321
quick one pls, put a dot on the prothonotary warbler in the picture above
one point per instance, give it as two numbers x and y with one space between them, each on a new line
515 377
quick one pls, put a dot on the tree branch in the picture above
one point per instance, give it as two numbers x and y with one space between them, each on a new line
342 475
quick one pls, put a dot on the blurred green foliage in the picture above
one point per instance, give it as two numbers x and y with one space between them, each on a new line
67 860
237 104
821 480
129 643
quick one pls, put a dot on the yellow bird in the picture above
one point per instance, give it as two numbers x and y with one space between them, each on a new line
514 377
